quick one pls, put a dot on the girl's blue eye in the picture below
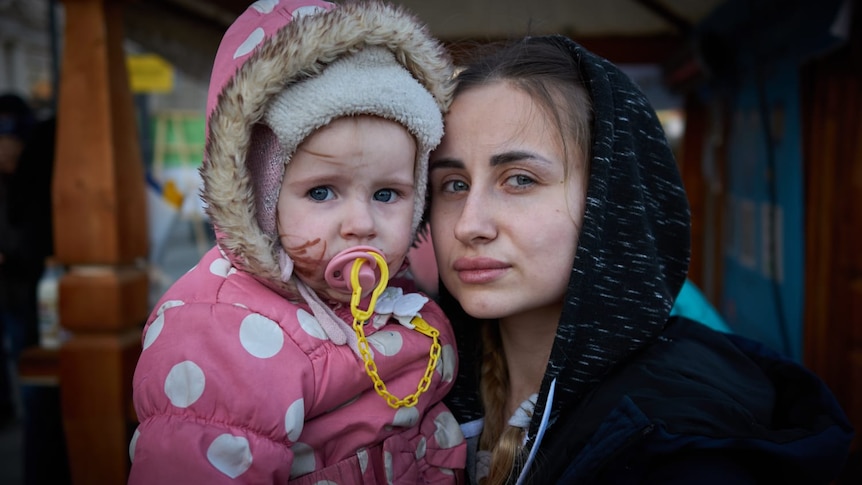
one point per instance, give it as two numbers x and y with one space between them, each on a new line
385 195
321 194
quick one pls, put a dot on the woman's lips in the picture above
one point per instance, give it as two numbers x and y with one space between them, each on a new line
479 270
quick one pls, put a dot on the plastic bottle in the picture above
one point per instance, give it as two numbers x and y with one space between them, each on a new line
51 335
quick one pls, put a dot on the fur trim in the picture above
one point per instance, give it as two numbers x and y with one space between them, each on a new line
301 48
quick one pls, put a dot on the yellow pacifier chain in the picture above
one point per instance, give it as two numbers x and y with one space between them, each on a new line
362 316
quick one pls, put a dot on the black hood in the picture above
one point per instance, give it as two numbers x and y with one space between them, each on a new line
632 256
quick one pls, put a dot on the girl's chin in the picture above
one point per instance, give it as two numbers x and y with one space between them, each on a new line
333 295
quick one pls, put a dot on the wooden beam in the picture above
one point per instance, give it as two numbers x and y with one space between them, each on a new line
98 189
691 168
644 49
100 227
832 148
680 23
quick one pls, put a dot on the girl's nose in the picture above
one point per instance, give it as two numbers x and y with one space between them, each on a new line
358 222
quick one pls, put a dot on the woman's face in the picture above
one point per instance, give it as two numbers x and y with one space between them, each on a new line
505 212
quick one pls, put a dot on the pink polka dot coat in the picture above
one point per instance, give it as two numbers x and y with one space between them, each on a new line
236 382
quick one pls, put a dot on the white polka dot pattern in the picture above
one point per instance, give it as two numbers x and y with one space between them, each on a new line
310 325
448 433
252 41
387 343
421 448
446 364
406 417
169 304
294 419
303 460
185 384
230 455
133 443
260 336
155 328
387 466
264 6
153 331
362 456
220 267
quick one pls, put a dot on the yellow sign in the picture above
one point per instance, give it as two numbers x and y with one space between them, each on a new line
149 73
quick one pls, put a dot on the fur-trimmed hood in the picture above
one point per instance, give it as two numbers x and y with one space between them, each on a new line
274 44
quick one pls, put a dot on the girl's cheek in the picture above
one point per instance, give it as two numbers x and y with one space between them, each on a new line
307 257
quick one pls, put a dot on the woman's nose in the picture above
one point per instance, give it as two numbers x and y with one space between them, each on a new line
476 224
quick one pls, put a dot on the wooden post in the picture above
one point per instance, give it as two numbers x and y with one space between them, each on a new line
832 149
100 227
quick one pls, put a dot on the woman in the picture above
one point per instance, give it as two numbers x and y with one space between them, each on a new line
561 231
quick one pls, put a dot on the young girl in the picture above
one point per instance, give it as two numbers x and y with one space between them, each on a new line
283 355
561 227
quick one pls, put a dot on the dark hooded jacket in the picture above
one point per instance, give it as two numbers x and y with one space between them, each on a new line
630 394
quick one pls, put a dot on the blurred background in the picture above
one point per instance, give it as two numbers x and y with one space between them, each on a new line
760 99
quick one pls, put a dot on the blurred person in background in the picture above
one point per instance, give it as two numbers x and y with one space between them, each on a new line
26 162
17 307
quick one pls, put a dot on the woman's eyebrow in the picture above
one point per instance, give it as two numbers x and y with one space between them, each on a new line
496 160
516 155
445 163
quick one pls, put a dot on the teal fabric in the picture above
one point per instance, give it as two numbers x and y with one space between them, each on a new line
692 304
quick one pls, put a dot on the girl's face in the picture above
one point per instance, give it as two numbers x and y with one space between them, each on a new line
350 183
505 212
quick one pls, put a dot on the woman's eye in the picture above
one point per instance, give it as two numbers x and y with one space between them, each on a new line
385 195
455 186
520 180
321 194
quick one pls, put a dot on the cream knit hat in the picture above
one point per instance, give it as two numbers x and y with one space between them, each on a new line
369 81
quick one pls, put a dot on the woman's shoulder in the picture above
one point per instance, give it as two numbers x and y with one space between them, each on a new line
692 364
697 390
